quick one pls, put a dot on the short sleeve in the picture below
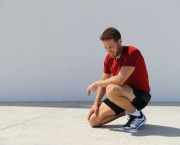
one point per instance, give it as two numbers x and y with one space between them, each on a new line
106 65
132 59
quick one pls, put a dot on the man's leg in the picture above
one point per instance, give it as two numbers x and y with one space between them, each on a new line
105 115
123 97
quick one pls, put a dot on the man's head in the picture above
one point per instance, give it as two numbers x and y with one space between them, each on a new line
111 39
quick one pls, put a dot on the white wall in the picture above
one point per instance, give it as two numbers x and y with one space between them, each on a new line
50 49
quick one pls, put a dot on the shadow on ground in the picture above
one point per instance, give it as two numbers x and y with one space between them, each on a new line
148 130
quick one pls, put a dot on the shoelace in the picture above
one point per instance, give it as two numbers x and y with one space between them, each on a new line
130 120
135 122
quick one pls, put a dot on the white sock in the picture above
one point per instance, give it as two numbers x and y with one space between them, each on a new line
136 113
126 113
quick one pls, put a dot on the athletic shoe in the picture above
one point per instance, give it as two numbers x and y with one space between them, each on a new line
134 122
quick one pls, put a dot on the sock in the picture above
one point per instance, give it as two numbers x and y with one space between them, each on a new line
126 113
136 113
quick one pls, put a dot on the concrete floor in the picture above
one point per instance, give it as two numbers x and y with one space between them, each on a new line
64 123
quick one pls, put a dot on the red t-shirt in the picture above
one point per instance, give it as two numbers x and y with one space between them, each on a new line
131 56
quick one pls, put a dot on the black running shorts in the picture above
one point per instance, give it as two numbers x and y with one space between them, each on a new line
140 101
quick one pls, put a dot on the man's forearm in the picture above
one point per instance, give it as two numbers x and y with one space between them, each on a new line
113 80
100 94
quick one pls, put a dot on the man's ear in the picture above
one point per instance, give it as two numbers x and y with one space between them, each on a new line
120 41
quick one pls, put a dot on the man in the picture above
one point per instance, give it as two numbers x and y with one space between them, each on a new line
125 83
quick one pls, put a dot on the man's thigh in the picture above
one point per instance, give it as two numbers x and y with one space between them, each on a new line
138 98
125 91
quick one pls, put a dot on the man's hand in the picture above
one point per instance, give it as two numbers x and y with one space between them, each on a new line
94 109
90 88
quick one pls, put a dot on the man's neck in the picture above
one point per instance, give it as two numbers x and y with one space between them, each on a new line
120 52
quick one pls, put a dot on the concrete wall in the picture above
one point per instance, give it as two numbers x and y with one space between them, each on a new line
50 49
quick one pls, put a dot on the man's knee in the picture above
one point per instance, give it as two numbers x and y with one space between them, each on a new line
94 121
110 90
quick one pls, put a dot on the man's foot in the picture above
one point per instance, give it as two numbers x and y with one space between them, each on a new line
134 123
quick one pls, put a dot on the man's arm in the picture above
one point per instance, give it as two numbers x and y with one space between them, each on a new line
122 76
99 96
101 90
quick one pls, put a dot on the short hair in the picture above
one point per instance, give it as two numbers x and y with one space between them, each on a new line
110 33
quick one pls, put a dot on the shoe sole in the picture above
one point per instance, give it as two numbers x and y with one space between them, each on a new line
124 130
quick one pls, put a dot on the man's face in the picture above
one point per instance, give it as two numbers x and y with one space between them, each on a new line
112 47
